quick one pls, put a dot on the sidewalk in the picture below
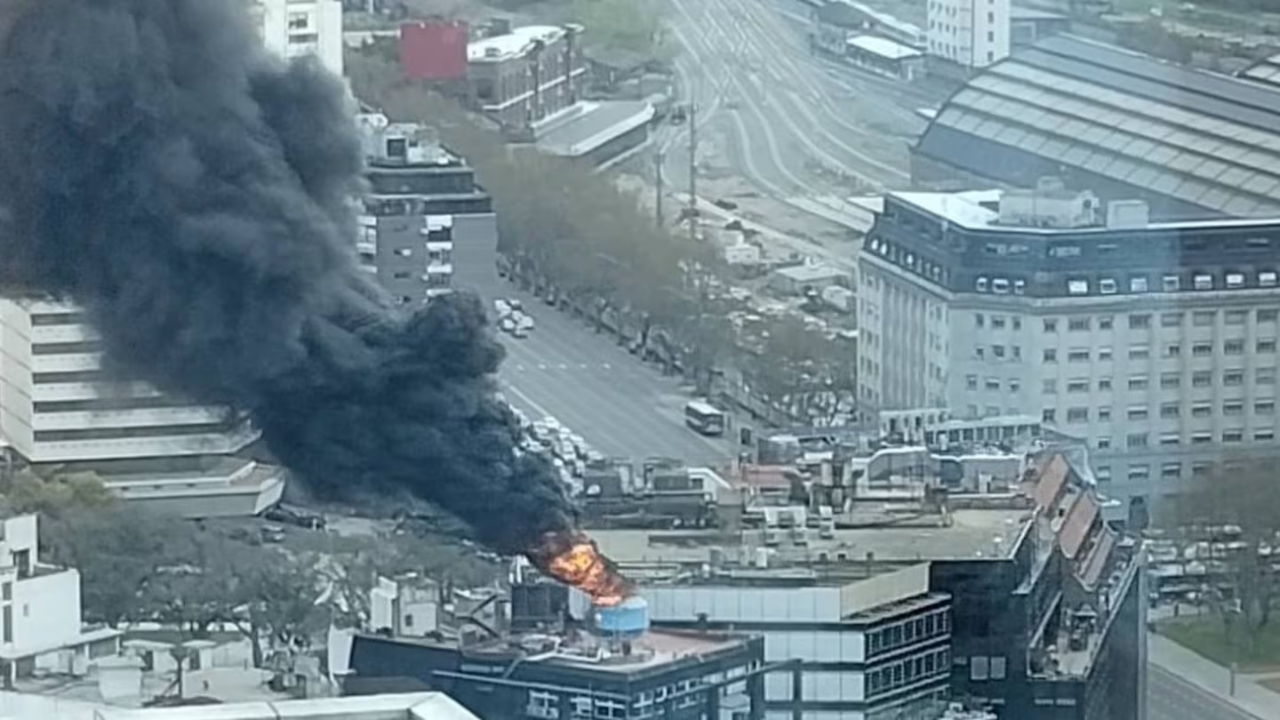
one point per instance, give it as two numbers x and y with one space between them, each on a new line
1212 677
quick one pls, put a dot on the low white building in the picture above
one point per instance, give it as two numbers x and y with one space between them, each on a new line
297 28
57 408
40 620
400 706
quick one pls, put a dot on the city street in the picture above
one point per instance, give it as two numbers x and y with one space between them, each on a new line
1170 697
788 122
619 404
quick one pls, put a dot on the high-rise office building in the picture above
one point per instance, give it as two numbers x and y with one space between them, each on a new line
58 408
1156 342
298 28
970 33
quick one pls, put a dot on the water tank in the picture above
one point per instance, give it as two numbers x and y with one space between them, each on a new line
628 619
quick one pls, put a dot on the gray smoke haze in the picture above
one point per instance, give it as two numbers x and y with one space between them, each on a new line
160 169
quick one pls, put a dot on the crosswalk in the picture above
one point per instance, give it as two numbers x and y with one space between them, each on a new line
544 367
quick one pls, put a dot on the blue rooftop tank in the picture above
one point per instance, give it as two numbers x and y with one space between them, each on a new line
627 619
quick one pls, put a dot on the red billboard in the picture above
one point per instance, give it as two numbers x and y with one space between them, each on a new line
434 50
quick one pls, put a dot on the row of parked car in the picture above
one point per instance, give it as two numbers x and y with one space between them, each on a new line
512 317
567 450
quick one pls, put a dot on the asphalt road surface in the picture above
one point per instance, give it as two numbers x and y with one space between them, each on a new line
789 119
1170 697
621 405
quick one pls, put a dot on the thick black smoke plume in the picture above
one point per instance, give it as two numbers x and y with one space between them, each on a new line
159 168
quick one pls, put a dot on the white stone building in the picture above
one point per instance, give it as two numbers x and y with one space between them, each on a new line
970 33
1156 342
297 28
40 617
56 407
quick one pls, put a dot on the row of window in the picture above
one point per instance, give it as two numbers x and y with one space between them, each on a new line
908 632
1136 283
1137 441
1232 377
1169 411
908 671
1141 321
1203 348
1168 471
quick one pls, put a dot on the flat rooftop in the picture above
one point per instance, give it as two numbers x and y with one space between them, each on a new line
972 534
579 649
588 125
965 209
513 44
409 706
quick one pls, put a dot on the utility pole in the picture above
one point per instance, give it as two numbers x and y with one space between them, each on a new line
659 158
693 170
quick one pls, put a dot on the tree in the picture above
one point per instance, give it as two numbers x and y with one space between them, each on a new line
806 372
1234 516
630 25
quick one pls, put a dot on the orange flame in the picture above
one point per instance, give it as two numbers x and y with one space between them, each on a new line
575 560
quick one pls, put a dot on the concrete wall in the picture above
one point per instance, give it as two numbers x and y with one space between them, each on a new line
46 611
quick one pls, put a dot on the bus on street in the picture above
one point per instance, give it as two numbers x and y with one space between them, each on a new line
704 418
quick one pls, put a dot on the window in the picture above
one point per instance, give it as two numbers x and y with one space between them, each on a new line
1265 376
1201 438
1201 378
1170 283
979 667
993 383
1136 440
1050 355
1078 355
1202 349
998 668
1139 352
980 352
1264 407
1201 410
997 322
1078 385
1102 473
1104 384
1077 287
979 320
1232 408
1077 415
1266 346
1139 472
1051 326
1203 318
1171 471
1104 414
1137 413
1267 315
1049 387
1202 281
971 382
1235 280
1102 443
1138 382
1234 317
1104 354
1078 324
1267 278
1017 323
1139 322
1264 435
1106 322
1232 436
1048 415
1172 350
981 284
1231 378
1233 347
1170 410
1138 284
1170 319
997 351
1169 438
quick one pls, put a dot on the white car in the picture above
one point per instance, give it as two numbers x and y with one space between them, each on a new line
525 322
502 307
507 324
